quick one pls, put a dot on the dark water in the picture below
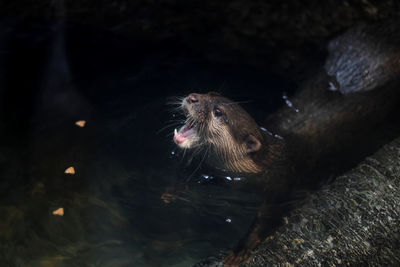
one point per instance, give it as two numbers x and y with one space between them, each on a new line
51 77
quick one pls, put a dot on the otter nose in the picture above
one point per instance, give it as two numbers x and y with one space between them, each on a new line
192 98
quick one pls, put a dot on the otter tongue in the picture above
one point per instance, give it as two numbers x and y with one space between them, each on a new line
183 133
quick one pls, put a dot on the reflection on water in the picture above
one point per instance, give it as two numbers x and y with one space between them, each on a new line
289 103
113 211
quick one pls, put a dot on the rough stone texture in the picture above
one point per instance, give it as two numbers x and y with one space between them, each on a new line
365 57
282 36
355 221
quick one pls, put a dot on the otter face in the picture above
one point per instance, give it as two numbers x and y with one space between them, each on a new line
222 129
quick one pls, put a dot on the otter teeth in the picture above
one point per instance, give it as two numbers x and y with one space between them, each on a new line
185 137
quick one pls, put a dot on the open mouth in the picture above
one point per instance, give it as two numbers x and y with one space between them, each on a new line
185 136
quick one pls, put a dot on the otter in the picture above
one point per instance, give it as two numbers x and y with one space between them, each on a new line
341 109
226 133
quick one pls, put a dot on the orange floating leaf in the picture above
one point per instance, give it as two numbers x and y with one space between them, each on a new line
80 123
59 212
70 170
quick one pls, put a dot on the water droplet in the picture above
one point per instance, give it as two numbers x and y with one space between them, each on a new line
205 176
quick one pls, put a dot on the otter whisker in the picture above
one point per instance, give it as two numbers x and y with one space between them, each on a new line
177 101
175 108
184 154
175 105
175 98
171 125
175 121
199 165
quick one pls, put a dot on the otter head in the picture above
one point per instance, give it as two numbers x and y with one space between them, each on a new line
221 129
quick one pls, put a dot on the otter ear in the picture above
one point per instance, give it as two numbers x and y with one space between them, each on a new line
252 144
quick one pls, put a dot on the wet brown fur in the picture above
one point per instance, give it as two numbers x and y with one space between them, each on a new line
227 137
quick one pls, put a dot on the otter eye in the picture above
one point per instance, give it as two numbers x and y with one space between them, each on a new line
217 112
